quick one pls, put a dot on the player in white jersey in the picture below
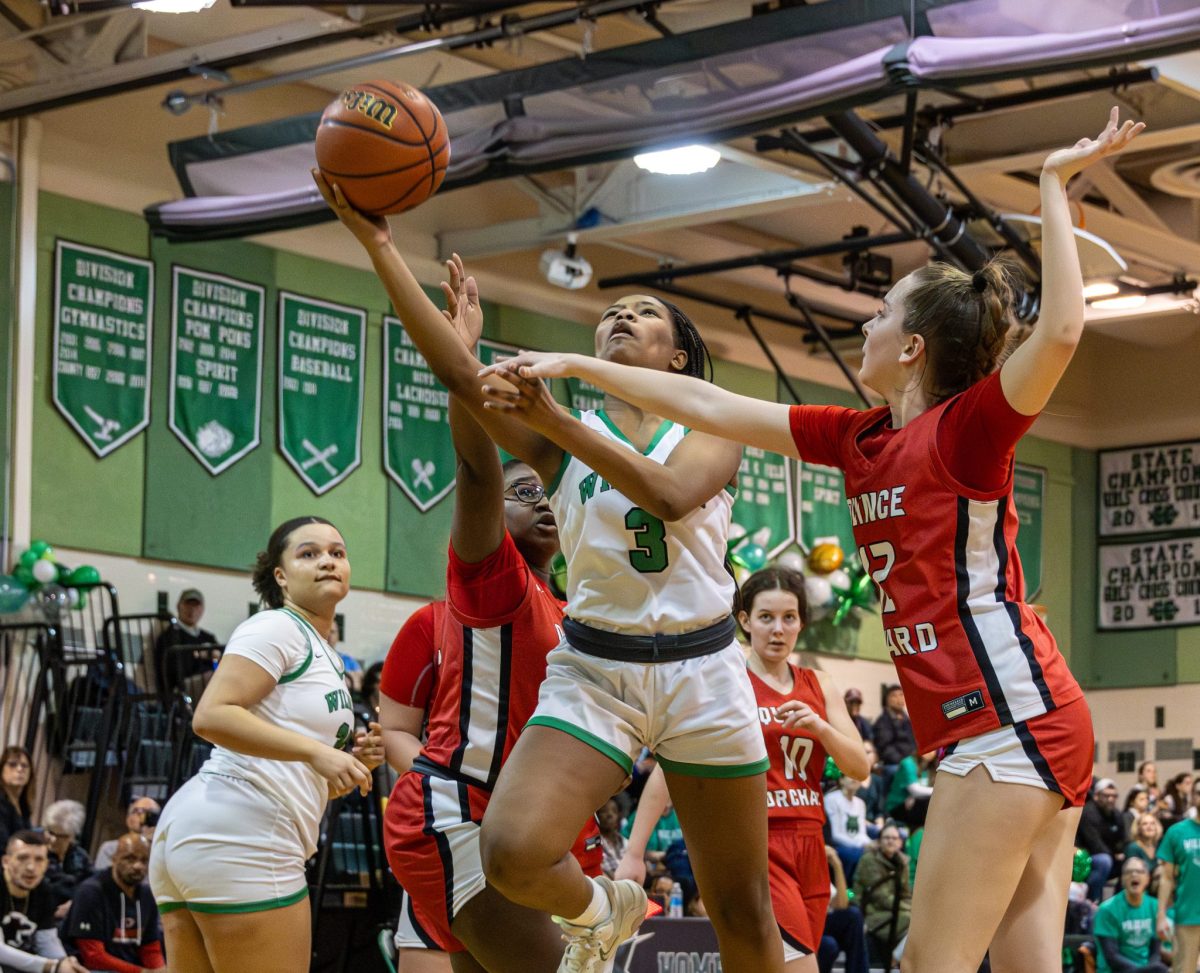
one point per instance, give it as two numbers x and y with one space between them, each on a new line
649 656
227 864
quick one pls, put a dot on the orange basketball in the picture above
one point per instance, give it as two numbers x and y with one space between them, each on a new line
385 144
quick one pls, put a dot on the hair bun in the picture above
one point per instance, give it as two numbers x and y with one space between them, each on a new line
979 281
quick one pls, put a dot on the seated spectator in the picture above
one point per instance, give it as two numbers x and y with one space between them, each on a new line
893 732
140 817
660 890
883 893
678 862
1124 926
846 813
29 941
854 701
873 794
69 863
1137 803
1147 777
844 934
1102 835
370 689
188 672
16 774
910 790
1174 802
113 922
665 831
612 842
1144 839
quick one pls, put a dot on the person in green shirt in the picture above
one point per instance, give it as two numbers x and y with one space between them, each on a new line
910 790
1124 926
665 830
1179 854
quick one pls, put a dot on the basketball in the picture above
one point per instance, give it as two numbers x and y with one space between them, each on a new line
385 144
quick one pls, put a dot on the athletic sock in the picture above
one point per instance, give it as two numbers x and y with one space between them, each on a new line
596 912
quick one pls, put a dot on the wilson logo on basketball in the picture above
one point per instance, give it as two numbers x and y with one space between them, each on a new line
383 112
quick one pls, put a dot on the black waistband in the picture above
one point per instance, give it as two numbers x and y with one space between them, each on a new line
423 765
649 648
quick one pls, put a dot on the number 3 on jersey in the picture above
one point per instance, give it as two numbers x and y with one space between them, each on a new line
649 552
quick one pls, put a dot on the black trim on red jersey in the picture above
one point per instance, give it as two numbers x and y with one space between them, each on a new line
429 941
963 588
464 801
464 701
443 847
794 942
506 650
1040 763
1014 611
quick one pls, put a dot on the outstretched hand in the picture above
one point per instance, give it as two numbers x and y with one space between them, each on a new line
463 309
368 230
521 396
1115 137
532 364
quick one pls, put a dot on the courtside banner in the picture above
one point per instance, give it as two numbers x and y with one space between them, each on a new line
823 514
418 452
763 506
216 365
322 350
1149 489
103 319
1150 584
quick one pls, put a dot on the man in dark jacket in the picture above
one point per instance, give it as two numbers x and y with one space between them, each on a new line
1101 834
893 734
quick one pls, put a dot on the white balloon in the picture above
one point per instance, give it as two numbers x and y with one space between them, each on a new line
792 560
840 579
818 589
44 570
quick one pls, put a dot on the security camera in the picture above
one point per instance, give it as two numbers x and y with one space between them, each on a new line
565 268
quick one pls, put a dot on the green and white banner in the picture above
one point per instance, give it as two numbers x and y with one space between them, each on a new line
764 499
322 349
103 318
216 365
823 514
583 396
1029 499
417 449
491 352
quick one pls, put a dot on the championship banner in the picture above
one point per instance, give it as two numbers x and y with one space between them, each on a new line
322 348
490 352
764 499
1151 584
823 514
1029 499
1150 489
216 365
417 449
103 317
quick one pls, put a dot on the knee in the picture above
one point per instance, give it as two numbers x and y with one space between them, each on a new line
504 859
743 911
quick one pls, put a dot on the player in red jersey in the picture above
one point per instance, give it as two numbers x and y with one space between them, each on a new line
803 718
929 482
468 671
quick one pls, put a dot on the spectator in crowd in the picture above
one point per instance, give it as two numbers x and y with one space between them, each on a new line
847 816
612 842
854 701
883 891
912 786
16 773
893 732
1147 777
185 671
660 889
874 794
140 817
1124 926
370 689
69 863
1143 839
113 922
29 941
1179 886
1137 803
1102 835
1174 801
666 830
844 934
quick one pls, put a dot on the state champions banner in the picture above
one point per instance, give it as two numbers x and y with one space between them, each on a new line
216 365
103 320
322 352
418 452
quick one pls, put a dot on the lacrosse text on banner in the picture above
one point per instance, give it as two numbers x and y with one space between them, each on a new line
103 314
322 348
216 365
417 451
764 507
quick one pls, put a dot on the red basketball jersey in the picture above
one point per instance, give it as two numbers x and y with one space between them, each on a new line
970 654
797 757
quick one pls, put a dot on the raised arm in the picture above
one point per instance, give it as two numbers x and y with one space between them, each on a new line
1030 374
691 401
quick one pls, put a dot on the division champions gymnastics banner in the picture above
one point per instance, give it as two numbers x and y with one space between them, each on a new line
216 365
322 349
103 316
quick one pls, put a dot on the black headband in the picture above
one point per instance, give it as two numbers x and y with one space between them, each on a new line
979 281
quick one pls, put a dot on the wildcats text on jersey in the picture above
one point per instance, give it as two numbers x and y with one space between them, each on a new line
866 508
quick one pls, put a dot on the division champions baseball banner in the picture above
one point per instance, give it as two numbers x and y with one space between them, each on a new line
216 365
103 316
322 349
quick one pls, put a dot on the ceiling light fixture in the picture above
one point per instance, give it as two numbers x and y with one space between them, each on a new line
685 160
173 6
1100 288
1123 302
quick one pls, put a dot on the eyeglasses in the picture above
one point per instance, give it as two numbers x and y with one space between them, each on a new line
525 492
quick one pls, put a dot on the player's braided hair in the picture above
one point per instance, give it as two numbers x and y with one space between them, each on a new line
263 575
687 338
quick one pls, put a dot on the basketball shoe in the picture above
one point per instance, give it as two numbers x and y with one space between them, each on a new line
590 948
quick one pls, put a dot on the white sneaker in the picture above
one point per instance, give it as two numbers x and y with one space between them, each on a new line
589 948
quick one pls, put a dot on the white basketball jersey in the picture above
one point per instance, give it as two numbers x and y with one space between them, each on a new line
629 571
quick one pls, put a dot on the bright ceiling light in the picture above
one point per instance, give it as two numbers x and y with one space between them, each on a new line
173 6
1100 288
1125 302
683 161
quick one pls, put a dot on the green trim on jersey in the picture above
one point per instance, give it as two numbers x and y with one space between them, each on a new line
731 490
562 469
619 757
306 627
654 440
235 907
719 771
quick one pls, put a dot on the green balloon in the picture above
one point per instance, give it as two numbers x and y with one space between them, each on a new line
24 574
832 770
1081 867
84 576
13 594
40 549
26 560
754 556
